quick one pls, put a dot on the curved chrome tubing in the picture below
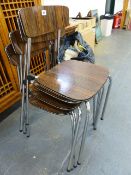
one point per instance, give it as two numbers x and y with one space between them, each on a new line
107 96
75 134
97 103
23 111
97 106
84 134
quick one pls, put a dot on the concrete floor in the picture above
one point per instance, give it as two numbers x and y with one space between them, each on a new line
107 151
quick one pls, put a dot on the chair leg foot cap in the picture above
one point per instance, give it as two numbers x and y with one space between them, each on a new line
69 170
78 163
75 166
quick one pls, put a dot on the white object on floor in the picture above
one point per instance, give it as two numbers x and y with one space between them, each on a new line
70 54
106 26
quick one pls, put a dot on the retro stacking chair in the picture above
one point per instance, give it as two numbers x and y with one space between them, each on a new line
19 48
66 86
37 97
40 104
58 104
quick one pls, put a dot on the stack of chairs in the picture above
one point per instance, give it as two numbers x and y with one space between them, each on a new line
62 88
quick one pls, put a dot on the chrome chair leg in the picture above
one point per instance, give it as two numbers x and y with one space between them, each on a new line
106 97
23 109
27 84
70 165
74 117
19 78
55 52
25 127
99 99
21 72
24 124
94 108
75 151
58 41
73 124
83 135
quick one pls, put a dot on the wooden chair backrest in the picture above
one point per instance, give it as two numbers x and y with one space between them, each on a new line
40 20
19 44
43 38
13 57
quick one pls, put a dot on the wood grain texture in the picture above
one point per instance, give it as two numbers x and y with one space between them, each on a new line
19 44
13 57
35 24
75 79
51 101
55 95
44 106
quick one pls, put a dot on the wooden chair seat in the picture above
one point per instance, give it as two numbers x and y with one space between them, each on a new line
55 95
75 80
54 102
46 107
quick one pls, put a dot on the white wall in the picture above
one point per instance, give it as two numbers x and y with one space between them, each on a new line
84 6
118 5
